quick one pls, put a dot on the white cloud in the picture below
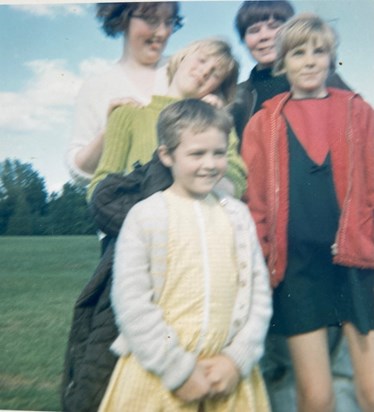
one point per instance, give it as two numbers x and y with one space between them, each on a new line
51 10
47 99
44 102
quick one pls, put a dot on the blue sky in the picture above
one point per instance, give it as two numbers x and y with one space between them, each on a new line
48 49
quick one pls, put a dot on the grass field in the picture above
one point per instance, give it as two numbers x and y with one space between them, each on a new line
41 278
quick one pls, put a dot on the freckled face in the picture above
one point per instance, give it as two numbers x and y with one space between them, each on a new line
260 40
199 162
307 67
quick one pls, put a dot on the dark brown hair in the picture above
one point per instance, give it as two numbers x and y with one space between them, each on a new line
115 17
254 11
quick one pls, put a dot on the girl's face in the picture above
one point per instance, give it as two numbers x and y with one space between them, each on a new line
198 75
307 67
198 163
260 40
147 34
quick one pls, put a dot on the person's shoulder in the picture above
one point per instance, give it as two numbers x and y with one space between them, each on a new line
244 85
341 93
276 100
151 206
99 81
231 203
124 114
347 96
102 72
269 108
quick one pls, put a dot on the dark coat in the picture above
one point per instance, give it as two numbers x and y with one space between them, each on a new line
88 361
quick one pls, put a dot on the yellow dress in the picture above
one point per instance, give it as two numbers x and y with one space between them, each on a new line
197 300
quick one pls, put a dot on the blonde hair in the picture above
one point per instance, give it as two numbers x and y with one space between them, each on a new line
211 47
298 31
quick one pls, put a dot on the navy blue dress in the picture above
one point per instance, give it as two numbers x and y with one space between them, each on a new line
316 293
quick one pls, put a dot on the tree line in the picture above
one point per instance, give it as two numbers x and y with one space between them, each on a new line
27 209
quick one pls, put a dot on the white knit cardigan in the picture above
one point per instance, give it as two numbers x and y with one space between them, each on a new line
138 279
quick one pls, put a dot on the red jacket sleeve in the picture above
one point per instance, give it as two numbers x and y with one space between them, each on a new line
254 153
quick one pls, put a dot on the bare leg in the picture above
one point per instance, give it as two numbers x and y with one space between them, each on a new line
361 348
310 356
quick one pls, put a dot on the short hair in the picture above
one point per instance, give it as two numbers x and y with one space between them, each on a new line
300 30
254 11
190 114
115 17
211 47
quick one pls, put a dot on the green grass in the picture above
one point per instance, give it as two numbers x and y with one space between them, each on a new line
40 278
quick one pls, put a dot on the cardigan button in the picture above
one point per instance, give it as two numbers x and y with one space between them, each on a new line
243 265
243 283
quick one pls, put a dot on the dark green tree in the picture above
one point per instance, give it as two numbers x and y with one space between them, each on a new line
21 220
68 213
26 208
22 192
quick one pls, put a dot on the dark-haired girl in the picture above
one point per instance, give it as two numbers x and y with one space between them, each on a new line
138 74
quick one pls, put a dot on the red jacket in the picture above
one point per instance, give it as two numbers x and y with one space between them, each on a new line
351 139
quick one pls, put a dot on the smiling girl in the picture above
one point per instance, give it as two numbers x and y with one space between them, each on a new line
257 23
203 68
190 289
139 73
310 155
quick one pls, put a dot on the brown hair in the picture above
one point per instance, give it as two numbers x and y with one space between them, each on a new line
189 114
254 11
115 17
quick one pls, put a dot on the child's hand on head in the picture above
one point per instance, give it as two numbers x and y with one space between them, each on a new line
196 387
222 373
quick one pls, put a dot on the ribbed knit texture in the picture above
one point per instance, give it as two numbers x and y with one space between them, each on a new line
131 137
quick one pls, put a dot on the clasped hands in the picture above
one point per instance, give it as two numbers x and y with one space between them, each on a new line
212 377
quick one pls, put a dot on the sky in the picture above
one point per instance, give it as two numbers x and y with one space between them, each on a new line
48 49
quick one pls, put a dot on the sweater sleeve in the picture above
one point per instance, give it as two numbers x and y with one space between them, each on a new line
86 126
236 170
247 347
117 143
365 113
152 341
255 153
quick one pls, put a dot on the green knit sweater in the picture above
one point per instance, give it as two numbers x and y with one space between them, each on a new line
131 137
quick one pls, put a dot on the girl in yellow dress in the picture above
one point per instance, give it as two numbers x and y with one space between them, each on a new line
190 289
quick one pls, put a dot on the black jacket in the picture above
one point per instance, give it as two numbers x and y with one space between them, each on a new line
88 361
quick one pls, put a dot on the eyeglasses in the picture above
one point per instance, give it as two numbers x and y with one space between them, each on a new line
154 22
